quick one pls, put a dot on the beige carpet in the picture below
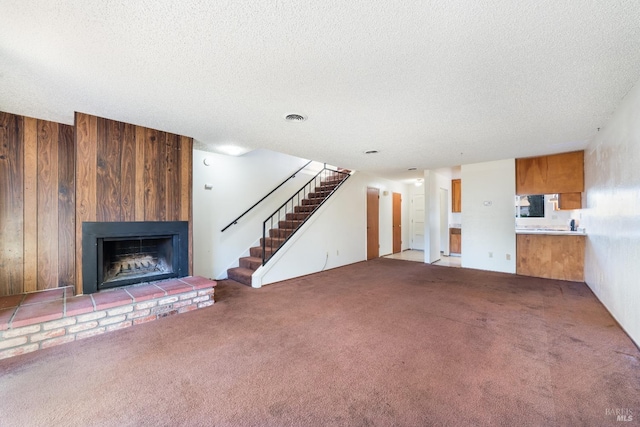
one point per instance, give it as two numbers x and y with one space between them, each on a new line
379 343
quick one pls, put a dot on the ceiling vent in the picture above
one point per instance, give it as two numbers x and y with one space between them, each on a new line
295 118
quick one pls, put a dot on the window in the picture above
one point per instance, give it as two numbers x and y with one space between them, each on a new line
530 206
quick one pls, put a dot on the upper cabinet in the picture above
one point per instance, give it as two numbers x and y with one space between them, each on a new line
569 201
456 195
558 173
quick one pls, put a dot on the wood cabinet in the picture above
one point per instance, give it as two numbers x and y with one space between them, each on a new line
551 256
455 241
569 201
558 173
456 195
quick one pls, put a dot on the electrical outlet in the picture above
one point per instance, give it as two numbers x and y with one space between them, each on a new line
490 254
337 252
508 257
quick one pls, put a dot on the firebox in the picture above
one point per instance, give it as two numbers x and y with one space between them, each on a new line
124 253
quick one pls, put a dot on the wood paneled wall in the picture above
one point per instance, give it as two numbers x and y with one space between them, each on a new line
37 196
54 176
130 173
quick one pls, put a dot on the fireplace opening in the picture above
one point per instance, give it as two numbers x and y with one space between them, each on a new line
124 253
127 259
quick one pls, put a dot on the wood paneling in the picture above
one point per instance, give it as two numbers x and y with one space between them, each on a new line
30 204
86 135
47 204
11 204
131 173
456 195
53 177
551 256
558 173
37 249
66 206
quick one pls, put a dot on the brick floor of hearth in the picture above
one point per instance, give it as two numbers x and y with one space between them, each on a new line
36 307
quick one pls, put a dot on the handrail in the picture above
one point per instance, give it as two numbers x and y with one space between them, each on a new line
313 184
235 221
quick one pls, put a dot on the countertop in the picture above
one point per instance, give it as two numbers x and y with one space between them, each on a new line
550 232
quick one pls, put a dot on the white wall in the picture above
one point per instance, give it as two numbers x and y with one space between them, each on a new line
336 234
489 228
238 182
612 216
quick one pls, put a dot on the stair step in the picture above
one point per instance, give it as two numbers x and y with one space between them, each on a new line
281 232
289 224
272 242
311 202
256 252
334 178
250 262
305 208
297 216
241 275
318 194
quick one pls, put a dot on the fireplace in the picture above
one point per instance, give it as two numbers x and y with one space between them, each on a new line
124 253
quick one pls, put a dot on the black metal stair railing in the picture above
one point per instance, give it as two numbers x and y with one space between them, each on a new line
288 218
235 221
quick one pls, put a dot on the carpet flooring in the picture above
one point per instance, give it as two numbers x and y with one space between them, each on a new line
378 343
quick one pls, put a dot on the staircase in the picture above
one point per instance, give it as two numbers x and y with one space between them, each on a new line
280 230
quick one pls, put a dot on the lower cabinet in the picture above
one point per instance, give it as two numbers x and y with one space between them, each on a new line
551 256
455 240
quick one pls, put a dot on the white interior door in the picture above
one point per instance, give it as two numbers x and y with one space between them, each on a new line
417 222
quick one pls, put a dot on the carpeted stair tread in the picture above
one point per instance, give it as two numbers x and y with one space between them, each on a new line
281 232
289 224
241 275
250 262
272 242
297 216
256 251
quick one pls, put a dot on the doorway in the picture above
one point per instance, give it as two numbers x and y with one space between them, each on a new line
417 221
444 221
397 223
373 223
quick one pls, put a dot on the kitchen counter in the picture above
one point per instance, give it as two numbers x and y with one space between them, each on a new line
549 232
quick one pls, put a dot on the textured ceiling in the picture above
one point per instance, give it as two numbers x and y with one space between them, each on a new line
426 83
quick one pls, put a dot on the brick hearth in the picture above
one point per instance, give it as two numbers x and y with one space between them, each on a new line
38 320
